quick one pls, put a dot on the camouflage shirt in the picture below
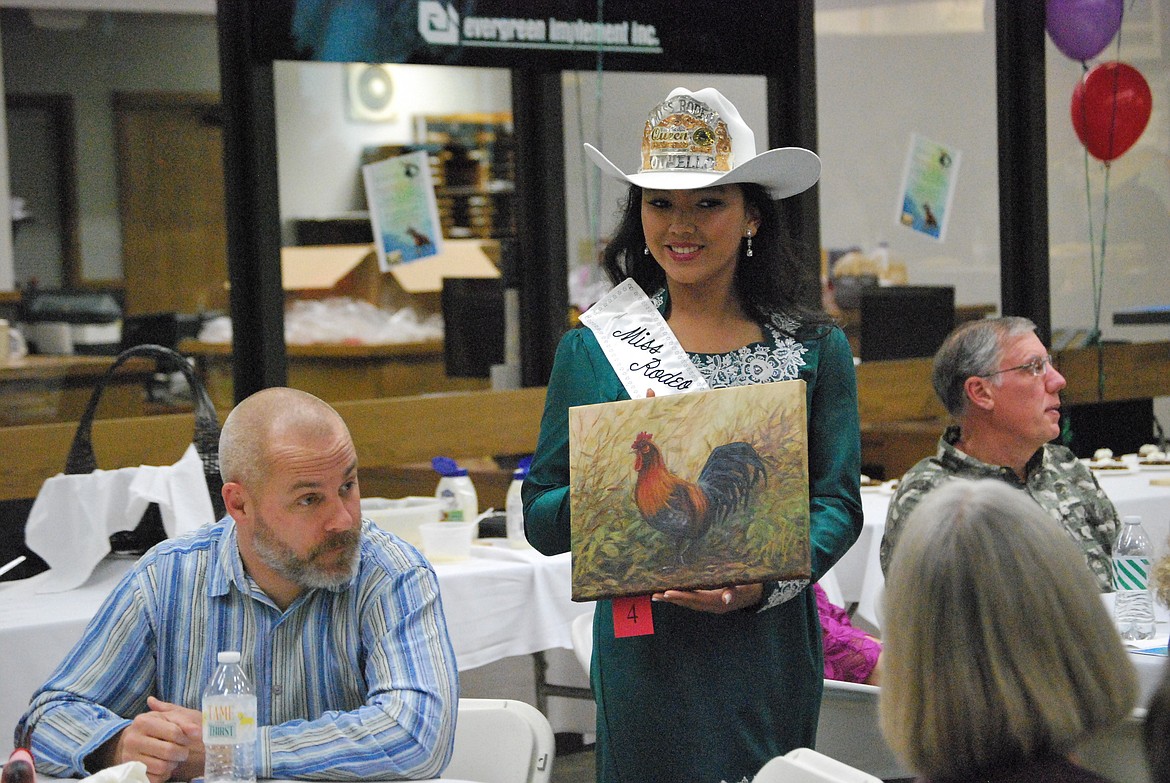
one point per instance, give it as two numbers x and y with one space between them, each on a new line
1057 480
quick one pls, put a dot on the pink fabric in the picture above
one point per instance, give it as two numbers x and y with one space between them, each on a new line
850 655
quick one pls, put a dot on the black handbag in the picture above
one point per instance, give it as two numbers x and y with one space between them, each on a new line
81 458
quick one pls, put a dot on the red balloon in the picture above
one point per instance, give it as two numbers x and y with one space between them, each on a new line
1110 109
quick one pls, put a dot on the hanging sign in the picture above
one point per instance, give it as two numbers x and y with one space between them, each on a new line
638 35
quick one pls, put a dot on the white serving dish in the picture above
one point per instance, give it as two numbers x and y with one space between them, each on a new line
402 516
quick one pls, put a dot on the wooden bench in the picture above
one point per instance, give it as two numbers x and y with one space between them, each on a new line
387 433
901 418
901 421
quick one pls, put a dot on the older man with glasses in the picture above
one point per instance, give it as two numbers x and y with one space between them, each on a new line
997 381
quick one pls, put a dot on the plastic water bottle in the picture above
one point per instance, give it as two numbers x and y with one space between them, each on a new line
1133 607
456 493
229 724
514 507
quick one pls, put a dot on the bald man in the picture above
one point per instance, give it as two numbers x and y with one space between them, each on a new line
339 623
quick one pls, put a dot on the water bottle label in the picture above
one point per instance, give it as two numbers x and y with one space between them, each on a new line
1131 573
229 721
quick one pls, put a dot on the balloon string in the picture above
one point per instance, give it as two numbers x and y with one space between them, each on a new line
1100 287
1095 335
1098 262
1095 266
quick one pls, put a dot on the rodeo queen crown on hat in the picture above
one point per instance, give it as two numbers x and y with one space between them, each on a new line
698 140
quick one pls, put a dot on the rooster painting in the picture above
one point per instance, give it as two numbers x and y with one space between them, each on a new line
684 510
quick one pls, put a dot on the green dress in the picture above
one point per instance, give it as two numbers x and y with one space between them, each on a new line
711 698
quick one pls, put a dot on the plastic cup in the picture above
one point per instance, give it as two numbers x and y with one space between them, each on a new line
402 516
446 542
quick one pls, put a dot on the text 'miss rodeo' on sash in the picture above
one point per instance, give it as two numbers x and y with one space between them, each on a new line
639 345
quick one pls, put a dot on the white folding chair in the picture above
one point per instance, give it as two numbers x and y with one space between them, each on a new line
581 632
849 732
804 765
1120 753
501 741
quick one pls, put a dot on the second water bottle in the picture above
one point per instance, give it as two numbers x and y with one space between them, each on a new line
1133 606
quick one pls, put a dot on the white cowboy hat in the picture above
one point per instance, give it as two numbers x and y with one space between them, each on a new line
698 140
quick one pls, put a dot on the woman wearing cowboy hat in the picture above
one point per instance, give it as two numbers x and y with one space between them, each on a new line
730 677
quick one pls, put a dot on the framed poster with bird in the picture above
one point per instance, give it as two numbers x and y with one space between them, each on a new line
689 491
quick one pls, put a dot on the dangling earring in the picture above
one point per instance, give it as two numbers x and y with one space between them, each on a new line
645 250
749 243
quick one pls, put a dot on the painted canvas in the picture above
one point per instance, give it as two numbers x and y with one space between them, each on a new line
689 491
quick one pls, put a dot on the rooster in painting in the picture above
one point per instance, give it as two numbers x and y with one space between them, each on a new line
685 510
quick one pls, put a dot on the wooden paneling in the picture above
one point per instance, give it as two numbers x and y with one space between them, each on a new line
890 449
387 433
36 452
1131 371
897 391
901 391
340 372
901 421
43 389
470 424
901 418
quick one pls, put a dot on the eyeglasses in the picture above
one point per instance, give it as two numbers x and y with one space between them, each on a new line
1036 367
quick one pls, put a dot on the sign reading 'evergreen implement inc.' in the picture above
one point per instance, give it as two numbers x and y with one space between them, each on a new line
439 24
644 35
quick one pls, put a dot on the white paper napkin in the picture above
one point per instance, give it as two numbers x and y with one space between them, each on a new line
130 772
73 516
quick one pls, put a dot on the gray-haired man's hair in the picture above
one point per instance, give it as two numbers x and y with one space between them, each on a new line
974 348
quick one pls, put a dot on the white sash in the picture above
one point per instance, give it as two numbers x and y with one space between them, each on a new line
643 351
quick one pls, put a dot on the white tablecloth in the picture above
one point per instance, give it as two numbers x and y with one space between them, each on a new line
506 602
860 578
1150 669
502 602
859 573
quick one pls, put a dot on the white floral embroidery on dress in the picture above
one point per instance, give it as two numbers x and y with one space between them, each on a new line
756 363
784 591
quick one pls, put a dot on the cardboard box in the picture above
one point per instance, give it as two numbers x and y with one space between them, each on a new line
321 271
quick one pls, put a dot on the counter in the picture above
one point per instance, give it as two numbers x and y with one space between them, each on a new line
337 372
46 389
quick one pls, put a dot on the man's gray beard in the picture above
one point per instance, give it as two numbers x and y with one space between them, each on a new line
302 570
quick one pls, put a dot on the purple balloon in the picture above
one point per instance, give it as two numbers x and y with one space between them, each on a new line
1082 28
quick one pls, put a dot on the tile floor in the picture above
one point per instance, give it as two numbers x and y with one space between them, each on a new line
575 767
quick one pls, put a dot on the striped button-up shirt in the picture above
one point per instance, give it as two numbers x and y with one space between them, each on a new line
352 682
